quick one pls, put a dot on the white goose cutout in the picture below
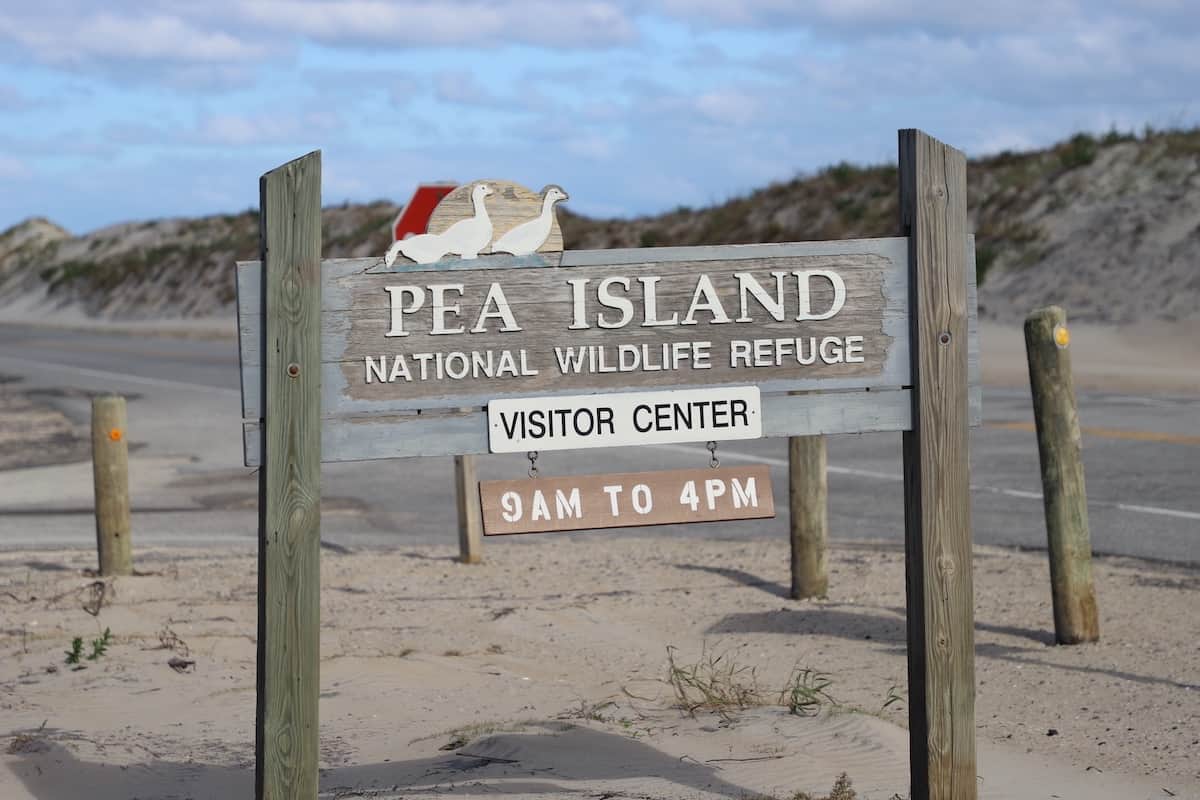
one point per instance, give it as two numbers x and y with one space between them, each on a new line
515 221
527 237
465 238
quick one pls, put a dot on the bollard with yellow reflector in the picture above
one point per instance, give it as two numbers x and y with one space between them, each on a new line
1059 450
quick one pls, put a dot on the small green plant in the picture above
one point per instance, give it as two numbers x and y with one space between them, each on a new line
842 173
1079 151
99 646
650 237
842 790
1115 136
806 691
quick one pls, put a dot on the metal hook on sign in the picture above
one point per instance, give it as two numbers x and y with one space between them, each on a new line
713 461
532 455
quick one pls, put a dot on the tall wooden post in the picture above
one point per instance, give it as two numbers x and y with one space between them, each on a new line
110 475
289 491
941 667
470 515
1072 591
808 504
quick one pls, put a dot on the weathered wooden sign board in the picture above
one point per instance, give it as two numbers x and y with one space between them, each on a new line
620 500
464 333
433 348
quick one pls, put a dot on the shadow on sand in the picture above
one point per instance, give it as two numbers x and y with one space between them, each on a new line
548 758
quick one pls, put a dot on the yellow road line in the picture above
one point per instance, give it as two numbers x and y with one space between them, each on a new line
1109 433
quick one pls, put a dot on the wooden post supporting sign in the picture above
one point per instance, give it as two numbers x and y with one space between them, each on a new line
289 490
470 521
941 637
809 518
1047 342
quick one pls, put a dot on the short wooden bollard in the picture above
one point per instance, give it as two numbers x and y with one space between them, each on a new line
1047 343
110 473
807 495
470 518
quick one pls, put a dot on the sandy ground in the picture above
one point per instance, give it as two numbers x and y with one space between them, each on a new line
542 673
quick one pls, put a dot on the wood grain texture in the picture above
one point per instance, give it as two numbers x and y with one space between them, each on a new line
336 270
1065 496
470 521
356 314
392 436
110 473
630 499
511 205
809 524
286 741
453 432
974 368
937 475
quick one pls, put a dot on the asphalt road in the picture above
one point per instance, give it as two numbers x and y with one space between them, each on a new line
1141 454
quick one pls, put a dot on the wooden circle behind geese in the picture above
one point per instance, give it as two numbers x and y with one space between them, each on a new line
509 206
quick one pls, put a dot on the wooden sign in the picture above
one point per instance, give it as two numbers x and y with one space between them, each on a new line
826 318
621 500
394 356
613 420
462 332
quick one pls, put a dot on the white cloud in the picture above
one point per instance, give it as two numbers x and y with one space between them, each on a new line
460 87
131 38
13 99
14 169
449 22
639 105
728 107
862 17
594 146
268 128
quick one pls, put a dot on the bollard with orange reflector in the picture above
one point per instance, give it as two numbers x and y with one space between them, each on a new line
110 472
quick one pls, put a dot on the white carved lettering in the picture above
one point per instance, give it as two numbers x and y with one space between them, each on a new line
495 306
396 294
441 309
609 300
804 297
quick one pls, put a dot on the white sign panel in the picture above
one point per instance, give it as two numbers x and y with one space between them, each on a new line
521 424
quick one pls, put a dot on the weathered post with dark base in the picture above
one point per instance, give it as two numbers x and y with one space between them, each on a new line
110 474
470 517
941 640
289 489
808 502
1074 595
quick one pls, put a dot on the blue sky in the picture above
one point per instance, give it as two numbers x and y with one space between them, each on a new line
120 111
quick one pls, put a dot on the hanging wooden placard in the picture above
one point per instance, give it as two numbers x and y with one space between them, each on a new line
620 500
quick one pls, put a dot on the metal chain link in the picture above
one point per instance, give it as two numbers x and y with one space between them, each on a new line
713 461
532 455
